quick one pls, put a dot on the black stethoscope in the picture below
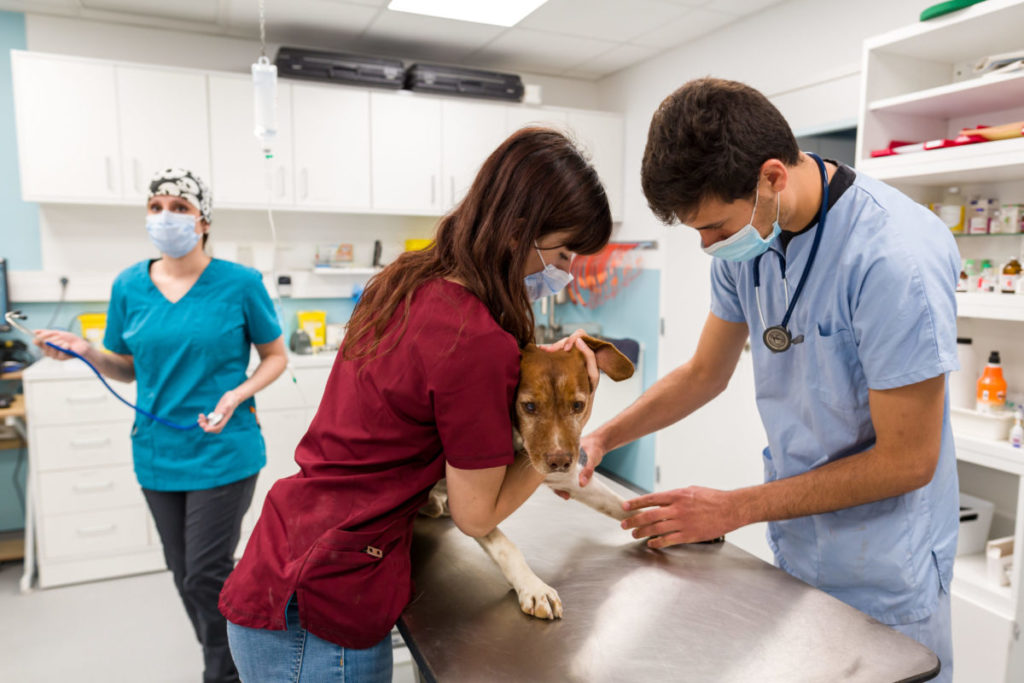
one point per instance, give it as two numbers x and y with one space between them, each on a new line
778 338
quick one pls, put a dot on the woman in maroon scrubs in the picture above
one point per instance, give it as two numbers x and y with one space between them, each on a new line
423 388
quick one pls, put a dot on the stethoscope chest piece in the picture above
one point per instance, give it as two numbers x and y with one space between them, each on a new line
777 338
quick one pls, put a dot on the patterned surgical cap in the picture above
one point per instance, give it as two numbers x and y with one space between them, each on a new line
177 182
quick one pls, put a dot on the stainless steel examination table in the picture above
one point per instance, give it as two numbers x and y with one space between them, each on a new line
692 613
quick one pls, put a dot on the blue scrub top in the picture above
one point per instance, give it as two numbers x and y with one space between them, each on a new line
187 355
878 312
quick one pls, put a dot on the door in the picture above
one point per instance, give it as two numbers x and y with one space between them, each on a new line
331 133
66 117
406 153
241 175
601 135
470 132
164 124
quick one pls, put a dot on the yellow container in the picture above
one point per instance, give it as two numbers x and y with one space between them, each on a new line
417 244
315 325
93 326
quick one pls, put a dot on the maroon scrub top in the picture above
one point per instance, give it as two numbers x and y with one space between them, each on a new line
337 534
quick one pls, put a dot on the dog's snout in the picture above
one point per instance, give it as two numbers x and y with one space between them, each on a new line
558 462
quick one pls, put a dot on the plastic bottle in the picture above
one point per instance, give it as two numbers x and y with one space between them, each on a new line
979 217
982 276
992 386
1011 275
951 211
1017 433
971 268
962 281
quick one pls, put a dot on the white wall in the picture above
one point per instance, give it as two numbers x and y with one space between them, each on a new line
806 56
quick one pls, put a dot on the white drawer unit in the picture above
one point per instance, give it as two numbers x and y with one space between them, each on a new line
88 489
71 446
101 532
77 401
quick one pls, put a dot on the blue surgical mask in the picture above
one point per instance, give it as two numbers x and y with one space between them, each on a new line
551 280
173 234
747 243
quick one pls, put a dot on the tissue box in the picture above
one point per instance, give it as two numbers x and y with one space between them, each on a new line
975 523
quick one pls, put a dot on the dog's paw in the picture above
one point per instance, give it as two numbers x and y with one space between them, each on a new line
436 505
541 600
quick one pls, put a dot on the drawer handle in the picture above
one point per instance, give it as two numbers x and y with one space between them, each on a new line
86 398
90 443
97 530
95 486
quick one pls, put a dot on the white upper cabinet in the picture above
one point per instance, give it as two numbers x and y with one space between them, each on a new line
517 117
406 153
66 112
470 132
601 134
331 132
164 124
240 171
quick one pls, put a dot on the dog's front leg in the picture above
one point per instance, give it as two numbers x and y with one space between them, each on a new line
595 494
536 598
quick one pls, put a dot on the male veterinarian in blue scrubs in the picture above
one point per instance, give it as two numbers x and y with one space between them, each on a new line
845 289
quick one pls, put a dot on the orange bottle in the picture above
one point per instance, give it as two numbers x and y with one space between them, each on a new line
992 386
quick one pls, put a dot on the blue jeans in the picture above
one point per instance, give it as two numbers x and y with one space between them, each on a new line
298 656
936 633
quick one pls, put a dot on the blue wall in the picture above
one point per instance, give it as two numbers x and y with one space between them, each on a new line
19 221
633 313
19 236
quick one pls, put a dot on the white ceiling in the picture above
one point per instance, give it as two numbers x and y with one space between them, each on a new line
586 39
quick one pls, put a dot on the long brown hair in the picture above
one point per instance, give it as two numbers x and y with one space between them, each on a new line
535 183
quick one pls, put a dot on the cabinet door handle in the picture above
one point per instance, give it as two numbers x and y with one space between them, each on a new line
136 181
90 443
95 530
305 183
109 167
452 183
280 181
89 487
85 398
433 189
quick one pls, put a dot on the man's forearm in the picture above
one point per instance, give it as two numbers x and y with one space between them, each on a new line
669 400
854 480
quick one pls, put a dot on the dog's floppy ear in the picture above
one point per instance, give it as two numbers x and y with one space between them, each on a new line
609 359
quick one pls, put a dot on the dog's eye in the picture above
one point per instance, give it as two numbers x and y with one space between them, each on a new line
529 406
577 406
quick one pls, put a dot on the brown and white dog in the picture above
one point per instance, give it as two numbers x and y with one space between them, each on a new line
553 403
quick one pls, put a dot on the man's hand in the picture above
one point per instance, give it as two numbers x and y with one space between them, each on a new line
685 515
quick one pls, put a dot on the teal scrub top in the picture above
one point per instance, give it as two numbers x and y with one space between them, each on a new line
187 355
878 312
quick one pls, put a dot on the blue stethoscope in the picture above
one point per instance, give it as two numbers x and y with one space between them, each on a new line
13 317
778 338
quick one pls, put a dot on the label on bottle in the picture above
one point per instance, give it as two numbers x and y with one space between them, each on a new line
1008 283
953 216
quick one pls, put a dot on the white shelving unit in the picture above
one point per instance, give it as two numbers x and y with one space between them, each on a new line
915 89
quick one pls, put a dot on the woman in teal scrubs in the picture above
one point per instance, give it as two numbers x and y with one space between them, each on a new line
182 326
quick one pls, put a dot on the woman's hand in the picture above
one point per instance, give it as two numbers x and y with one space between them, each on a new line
66 340
574 340
225 408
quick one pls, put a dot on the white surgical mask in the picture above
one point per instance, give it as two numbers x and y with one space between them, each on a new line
747 243
551 280
173 234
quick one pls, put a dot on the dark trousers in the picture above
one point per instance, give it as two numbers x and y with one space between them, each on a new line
199 531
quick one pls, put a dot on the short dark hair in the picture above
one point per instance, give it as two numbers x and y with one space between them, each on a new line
708 140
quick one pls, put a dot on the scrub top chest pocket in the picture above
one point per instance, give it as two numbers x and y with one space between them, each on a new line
834 368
